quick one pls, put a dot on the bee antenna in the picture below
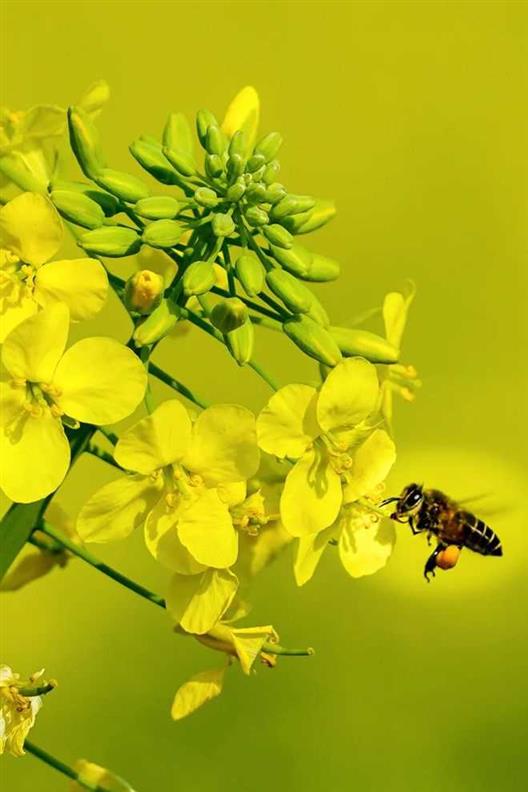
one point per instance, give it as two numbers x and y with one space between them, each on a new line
389 500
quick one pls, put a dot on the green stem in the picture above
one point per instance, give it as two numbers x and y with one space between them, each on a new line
80 552
148 400
61 767
264 374
37 691
271 324
103 455
272 648
157 372
110 436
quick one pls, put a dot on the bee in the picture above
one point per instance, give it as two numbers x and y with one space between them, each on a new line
437 514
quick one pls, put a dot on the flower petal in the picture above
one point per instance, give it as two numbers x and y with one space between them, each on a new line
12 315
248 643
365 548
395 309
197 602
288 425
161 538
118 508
101 381
31 227
372 463
156 441
224 445
34 457
243 113
309 552
81 284
348 394
206 530
200 689
33 349
312 495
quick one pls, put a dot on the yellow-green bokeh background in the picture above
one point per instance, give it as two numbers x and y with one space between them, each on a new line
413 117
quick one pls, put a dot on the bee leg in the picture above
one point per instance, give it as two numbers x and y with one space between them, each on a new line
413 528
430 564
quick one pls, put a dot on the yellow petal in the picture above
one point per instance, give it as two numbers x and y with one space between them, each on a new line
312 495
248 643
309 552
156 441
372 463
200 689
95 97
395 309
232 494
12 315
31 227
101 381
32 566
92 776
118 508
365 548
288 425
161 538
197 602
34 457
206 530
348 395
81 284
243 113
224 445
44 121
33 349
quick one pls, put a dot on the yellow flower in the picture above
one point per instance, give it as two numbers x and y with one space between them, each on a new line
320 429
91 775
96 381
30 235
17 711
243 113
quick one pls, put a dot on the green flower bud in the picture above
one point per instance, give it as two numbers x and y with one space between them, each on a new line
238 144
296 260
296 297
255 193
84 140
204 119
257 175
235 167
305 222
122 185
112 241
271 172
269 146
250 273
215 141
291 205
214 165
256 216
352 341
323 269
108 203
313 339
78 208
162 233
318 313
275 193
183 163
240 342
144 292
277 235
160 207
156 326
206 197
236 191
152 159
229 314
198 278
177 135
255 162
222 225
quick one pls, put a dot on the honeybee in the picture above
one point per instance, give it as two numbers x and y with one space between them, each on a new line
437 514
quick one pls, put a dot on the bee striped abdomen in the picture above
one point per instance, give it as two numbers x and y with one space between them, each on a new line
478 536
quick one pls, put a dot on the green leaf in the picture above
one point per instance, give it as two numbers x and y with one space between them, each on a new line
16 528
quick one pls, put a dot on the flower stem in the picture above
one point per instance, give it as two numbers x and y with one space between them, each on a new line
157 372
273 648
61 767
100 454
265 376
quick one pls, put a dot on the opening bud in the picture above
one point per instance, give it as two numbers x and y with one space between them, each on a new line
144 292
229 314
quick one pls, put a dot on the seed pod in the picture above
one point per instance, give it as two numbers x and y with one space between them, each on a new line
78 208
256 216
206 197
181 161
255 162
222 225
144 292
315 218
322 269
204 119
291 205
296 260
269 146
448 558
238 144
229 314
275 192
162 233
84 140
152 159
108 203
250 273
235 192
215 141
277 235
314 340
214 165
255 193
287 288
352 341
198 278
271 172
160 322
161 207
112 241
240 342
177 135
122 185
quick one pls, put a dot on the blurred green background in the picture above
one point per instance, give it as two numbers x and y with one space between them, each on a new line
413 117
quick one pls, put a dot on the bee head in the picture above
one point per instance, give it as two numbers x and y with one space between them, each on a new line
410 500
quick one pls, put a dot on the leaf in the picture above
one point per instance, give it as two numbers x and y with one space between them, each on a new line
16 528
200 689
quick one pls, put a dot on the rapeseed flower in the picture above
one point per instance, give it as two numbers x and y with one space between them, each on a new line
17 711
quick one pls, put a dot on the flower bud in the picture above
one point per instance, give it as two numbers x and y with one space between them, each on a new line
229 314
222 225
183 163
206 197
198 278
256 216
112 241
291 205
108 203
144 292
275 192
353 341
238 144
269 146
177 135
255 193
305 222
152 159
122 185
287 288
204 119
250 273
322 269
214 165
236 191
159 324
448 558
235 167
215 140
84 140
161 207
277 235
255 162
240 342
296 260
271 172
162 233
78 208
318 313
313 339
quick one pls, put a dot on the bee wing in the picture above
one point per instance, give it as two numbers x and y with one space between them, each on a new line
487 510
